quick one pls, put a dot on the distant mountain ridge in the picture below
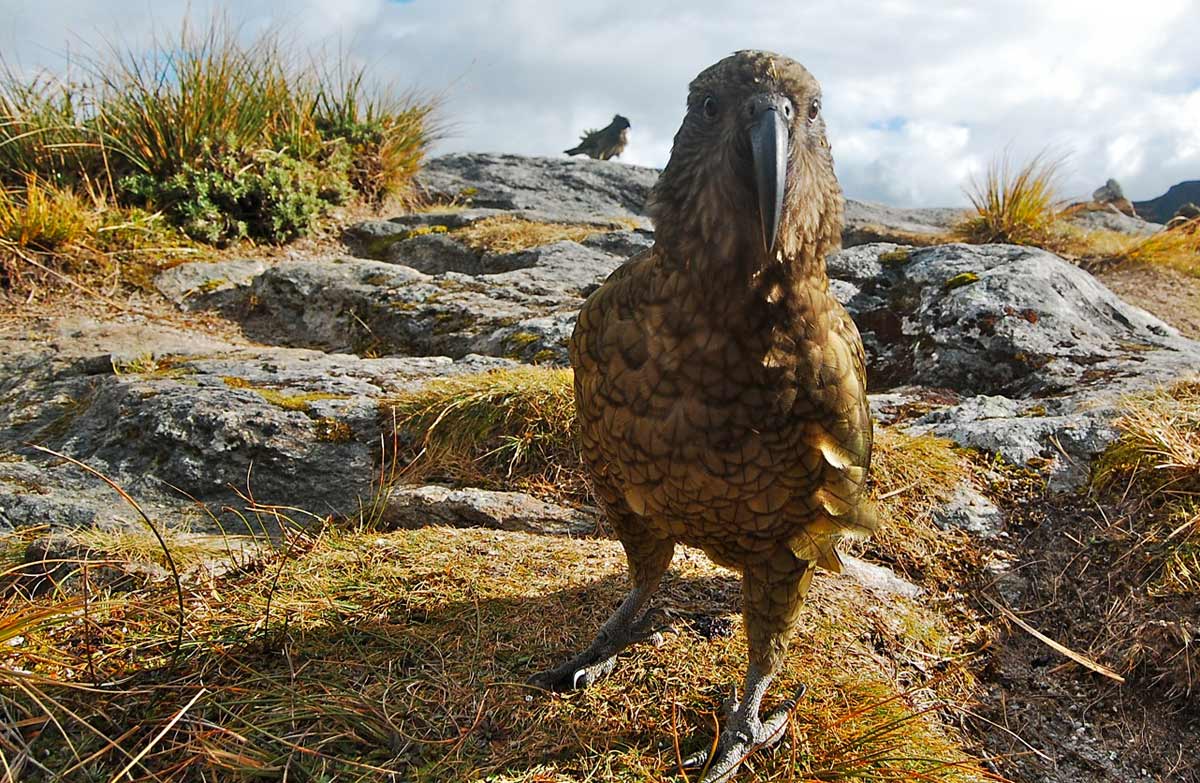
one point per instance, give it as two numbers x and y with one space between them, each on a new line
1161 209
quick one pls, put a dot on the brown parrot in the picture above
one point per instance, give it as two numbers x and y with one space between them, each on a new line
720 387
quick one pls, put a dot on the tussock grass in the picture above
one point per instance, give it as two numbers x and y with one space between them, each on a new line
1152 475
511 428
226 139
507 234
1022 206
1017 206
911 476
516 429
41 216
361 656
1178 248
1155 465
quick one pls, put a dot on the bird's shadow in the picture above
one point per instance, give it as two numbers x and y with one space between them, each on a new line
440 688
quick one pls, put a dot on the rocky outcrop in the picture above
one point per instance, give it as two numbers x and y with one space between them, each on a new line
867 223
1112 196
567 188
1007 349
1032 352
198 422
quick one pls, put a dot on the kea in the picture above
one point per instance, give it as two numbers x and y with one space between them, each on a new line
608 142
721 388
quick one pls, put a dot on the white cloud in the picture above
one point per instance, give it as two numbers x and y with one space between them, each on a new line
918 95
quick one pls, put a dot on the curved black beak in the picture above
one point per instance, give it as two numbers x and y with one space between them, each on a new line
769 146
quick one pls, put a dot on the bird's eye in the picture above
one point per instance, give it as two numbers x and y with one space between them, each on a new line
710 107
814 109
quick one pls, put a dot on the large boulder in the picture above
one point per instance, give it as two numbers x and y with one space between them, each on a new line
1033 353
999 319
194 435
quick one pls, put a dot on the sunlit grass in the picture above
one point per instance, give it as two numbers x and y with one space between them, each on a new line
366 656
1017 206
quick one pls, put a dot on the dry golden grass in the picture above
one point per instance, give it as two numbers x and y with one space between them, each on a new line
1151 541
42 217
1155 467
507 234
512 428
1178 248
515 429
1015 206
368 656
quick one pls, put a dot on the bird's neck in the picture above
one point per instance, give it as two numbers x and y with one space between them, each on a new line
733 266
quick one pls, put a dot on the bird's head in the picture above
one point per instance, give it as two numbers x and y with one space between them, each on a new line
751 163
619 121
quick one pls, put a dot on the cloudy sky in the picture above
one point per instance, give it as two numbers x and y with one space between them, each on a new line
919 94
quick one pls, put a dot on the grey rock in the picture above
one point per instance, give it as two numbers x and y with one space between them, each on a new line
867 223
1002 319
1111 190
1112 219
623 244
410 507
1065 434
879 578
972 511
290 427
434 254
518 304
568 189
205 279
373 238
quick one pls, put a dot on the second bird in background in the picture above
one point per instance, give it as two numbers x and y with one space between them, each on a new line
608 142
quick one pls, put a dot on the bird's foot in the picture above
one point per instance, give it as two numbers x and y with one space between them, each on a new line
600 658
742 735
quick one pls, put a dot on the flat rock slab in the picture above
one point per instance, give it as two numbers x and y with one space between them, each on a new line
194 436
867 222
522 306
410 507
567 188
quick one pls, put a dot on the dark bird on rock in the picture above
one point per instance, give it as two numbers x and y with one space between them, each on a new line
720 387
608 142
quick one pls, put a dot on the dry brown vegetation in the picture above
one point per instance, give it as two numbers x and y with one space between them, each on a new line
1152 477
350 652
507 234
368 655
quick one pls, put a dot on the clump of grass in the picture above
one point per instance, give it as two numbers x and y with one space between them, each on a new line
227 140
386 135
1156 465
1177 248
1015 206
1152 475
43 217
507 234
505 428
911 476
